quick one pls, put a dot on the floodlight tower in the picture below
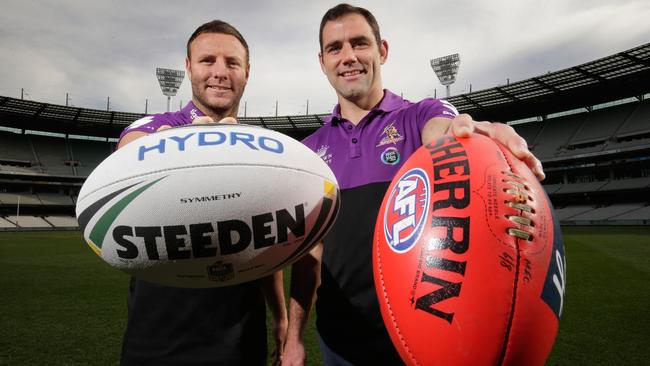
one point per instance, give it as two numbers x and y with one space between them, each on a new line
169 81
446 68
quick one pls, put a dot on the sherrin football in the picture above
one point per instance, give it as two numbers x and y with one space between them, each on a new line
207 205
468 258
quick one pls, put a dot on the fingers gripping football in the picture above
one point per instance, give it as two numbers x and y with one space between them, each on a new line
464 126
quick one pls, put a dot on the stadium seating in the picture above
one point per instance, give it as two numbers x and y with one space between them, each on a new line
574 151
28 221
581 187
88 154
6 224
12 169
637 123
606 212
555 133
62 221
529 131
55 199
15 146
589 132
601 124
22 198
52 154
564 213
630 142
37 222
641 213
552 188
625 184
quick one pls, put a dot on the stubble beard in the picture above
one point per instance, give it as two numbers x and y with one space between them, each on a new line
353 93
217 109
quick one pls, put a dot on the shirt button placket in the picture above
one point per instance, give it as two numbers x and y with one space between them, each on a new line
355 145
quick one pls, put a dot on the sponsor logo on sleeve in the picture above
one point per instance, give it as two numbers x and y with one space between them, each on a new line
141 122
450 110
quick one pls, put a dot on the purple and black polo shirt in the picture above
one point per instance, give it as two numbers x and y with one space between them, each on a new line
364 159
180 326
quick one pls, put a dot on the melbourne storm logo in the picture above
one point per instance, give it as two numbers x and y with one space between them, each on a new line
406 210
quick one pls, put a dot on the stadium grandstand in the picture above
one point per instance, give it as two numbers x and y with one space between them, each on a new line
589 124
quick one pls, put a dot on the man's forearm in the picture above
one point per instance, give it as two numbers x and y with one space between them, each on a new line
305 278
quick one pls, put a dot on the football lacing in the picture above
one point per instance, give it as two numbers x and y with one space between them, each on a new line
519 201
521 234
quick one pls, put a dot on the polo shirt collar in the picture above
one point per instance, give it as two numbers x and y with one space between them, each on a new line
388 103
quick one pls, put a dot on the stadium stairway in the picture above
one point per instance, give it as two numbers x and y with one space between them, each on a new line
5 224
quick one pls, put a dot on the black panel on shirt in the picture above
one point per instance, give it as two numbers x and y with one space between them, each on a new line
347 293
177 326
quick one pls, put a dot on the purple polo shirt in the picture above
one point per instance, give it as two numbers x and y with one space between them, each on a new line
364 159
375 149
183 326
152 123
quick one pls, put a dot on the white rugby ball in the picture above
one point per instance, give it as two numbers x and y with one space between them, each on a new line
207 205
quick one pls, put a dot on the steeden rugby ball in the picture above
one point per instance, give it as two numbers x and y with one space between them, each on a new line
207 205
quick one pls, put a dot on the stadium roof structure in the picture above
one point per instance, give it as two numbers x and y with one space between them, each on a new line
624 74
618 76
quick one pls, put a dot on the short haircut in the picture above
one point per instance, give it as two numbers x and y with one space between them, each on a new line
344 9
218 26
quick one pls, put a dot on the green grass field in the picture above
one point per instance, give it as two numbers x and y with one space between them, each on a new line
61 305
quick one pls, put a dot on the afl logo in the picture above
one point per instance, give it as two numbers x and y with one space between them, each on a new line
406 210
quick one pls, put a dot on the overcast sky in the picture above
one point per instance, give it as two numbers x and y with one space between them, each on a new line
98 49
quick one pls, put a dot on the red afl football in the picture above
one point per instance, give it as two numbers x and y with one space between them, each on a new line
468 258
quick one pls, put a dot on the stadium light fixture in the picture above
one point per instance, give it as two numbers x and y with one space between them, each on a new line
169 80
446 68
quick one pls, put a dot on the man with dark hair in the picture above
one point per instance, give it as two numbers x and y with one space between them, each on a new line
212 326
221 27
370 133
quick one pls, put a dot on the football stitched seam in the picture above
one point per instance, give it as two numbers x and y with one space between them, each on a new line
506 340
